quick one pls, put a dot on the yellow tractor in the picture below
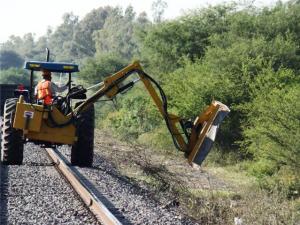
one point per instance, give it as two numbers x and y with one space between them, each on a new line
64 124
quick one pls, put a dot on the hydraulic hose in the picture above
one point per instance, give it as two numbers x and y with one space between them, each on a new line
165 107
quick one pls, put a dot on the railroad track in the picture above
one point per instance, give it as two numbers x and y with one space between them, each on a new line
72 176
97 207
35 193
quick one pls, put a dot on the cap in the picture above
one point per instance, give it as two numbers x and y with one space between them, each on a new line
46 73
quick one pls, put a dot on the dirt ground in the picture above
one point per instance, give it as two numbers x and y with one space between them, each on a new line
169 176
134 161
210 195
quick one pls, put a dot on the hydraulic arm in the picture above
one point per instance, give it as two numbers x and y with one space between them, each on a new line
61 124
195 138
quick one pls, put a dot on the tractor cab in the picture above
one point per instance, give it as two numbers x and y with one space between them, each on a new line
63 103
63 68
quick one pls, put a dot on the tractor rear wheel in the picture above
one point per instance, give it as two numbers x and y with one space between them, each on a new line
82 152
11 139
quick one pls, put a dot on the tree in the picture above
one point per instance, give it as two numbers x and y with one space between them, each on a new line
142 18
23 46
10 59
158 9
116 36
94 70
185 37
61 41
84 33
14 76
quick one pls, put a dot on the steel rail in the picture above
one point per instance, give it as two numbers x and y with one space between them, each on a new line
92 202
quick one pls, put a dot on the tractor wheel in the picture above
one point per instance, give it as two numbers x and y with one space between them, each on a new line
82 152
11 139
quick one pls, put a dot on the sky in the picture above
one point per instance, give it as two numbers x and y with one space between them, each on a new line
18 17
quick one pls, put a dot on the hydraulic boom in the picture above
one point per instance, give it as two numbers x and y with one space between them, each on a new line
62 124
194 138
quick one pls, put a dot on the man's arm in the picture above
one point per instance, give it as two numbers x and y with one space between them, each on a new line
55 88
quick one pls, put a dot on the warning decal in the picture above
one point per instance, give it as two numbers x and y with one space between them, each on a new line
28 114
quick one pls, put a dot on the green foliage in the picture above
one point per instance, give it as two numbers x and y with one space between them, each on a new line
280 20
10 59
27 47
84 34
23 46
191 88
241 60
60 42
167 43
14 76
158 7
117 34
273 132
137 115
107 30
159 137
246 57
96 69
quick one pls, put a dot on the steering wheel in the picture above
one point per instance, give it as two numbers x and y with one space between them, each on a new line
58 99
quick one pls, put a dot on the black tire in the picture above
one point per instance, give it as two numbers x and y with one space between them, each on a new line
82 152
12 146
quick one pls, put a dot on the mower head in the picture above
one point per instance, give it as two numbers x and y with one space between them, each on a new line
204 132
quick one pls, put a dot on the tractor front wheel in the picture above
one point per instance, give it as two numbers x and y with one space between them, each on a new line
11 139
82 152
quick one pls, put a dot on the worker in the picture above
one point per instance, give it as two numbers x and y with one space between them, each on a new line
46 90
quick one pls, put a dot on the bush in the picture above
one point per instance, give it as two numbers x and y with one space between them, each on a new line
272 133
136 115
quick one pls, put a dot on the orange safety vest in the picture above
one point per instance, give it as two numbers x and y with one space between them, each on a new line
44 92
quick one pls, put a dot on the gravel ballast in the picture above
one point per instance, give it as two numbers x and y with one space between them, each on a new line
35 193
129 201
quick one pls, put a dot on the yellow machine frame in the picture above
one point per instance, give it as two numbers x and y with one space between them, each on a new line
33 119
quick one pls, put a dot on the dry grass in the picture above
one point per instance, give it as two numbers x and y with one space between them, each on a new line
210 196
